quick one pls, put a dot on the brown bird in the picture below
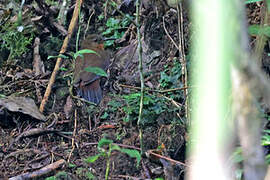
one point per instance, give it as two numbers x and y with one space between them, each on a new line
87 83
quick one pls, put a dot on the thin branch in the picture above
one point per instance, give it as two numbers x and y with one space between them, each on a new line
138 5
167 33
183 58
88 22
153 90
63 50
167 158
73 134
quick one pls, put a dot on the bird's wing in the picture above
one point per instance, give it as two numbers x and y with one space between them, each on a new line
92 60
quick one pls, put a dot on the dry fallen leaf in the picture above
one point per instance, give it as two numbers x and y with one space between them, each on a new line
68 107
23 105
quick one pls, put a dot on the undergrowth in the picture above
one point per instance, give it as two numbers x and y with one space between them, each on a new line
155 104
16 36
15 41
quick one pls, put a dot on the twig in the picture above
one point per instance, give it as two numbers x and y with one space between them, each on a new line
120 145
61 18
173 102
22 81
153 90
127 177
22 151
79 30
63 50
105 9
41 172
74 134
166 31
88 22
167 158
262 39
183 58
140 67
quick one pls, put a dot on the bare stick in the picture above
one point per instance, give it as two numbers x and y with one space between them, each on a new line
63 50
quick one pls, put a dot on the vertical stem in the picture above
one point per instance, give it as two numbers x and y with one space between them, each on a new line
138 3
108 162
262 39
214 48
182 57
79 29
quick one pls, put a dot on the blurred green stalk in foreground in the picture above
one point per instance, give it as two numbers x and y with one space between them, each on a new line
214 48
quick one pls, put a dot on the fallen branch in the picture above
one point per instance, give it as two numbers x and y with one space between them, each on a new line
51 168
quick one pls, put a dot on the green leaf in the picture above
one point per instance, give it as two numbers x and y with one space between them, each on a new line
133 153
98 71
117 34
254 30
114 105
252 1
51 178
109 43
265 139
104 116
267 158
59 56
115 147
257 30
112 22
2 96
126 21
266 130
113 4
70 165
132 96
126 119
92 159
100 17
61 174
84 51
147 100
63 69
107 32
237 156
239 174
266 31
90 175
103 142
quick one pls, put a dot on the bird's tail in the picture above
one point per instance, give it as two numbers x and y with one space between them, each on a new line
91 92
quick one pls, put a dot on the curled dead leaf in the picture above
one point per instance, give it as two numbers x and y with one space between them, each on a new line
23 105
